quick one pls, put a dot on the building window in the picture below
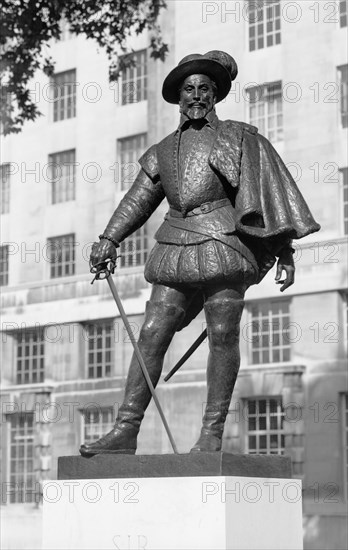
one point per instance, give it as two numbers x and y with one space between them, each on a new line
4 265
345 441
22 471
97 423
6 100
65 32
344 180
5 188
345 319
266 109
270 325
64 95
134 79
134 249
62 175
61 252
343 81
265 433
100 354
264 23
130 150
30 356
343 12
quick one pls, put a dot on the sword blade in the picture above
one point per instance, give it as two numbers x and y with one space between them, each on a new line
188 354
140 359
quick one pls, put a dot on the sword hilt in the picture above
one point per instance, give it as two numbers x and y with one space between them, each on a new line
102 270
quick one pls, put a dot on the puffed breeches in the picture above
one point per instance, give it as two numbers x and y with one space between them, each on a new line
209 262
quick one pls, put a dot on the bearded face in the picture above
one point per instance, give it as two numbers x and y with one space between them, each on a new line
197 96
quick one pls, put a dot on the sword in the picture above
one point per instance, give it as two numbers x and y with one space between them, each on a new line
104 270
188 354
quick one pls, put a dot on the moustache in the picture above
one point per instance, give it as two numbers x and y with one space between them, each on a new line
197 104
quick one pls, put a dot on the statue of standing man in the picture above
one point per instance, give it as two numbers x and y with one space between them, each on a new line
233 212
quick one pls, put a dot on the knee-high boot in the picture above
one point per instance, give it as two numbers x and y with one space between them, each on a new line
161 321
223 324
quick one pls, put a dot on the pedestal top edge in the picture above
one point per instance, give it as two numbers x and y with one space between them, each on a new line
174 465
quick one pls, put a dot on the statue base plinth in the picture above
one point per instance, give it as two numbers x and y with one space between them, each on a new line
171 465
174 502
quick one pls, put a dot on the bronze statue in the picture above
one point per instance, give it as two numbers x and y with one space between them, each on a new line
233 209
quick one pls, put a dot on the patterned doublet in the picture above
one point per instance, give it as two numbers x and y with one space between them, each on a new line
181 255
184 171
197 183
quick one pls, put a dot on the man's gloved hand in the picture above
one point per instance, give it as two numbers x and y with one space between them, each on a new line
103 251
285 263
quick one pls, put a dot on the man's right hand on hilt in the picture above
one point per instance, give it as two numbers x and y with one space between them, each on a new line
103 251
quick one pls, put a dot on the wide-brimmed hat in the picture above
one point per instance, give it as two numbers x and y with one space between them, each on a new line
218 65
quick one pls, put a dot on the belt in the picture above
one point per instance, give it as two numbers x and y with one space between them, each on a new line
203 209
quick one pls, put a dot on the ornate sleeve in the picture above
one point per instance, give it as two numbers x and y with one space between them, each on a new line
140 201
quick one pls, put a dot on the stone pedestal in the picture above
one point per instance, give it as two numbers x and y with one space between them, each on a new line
203 501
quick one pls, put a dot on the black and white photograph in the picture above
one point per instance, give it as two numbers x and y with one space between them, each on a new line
174 274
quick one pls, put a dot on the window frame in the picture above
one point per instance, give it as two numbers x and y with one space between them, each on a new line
266 95
5 188
104 427
21 490
342 76
134 79
72 269
107 368
4 265
139 236
28 359
134 153
62 189
344 318
65 32
344 440
343 180
267 14
271 348
61 108
343 13
279 432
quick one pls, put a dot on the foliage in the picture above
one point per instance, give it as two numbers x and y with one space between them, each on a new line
27 28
